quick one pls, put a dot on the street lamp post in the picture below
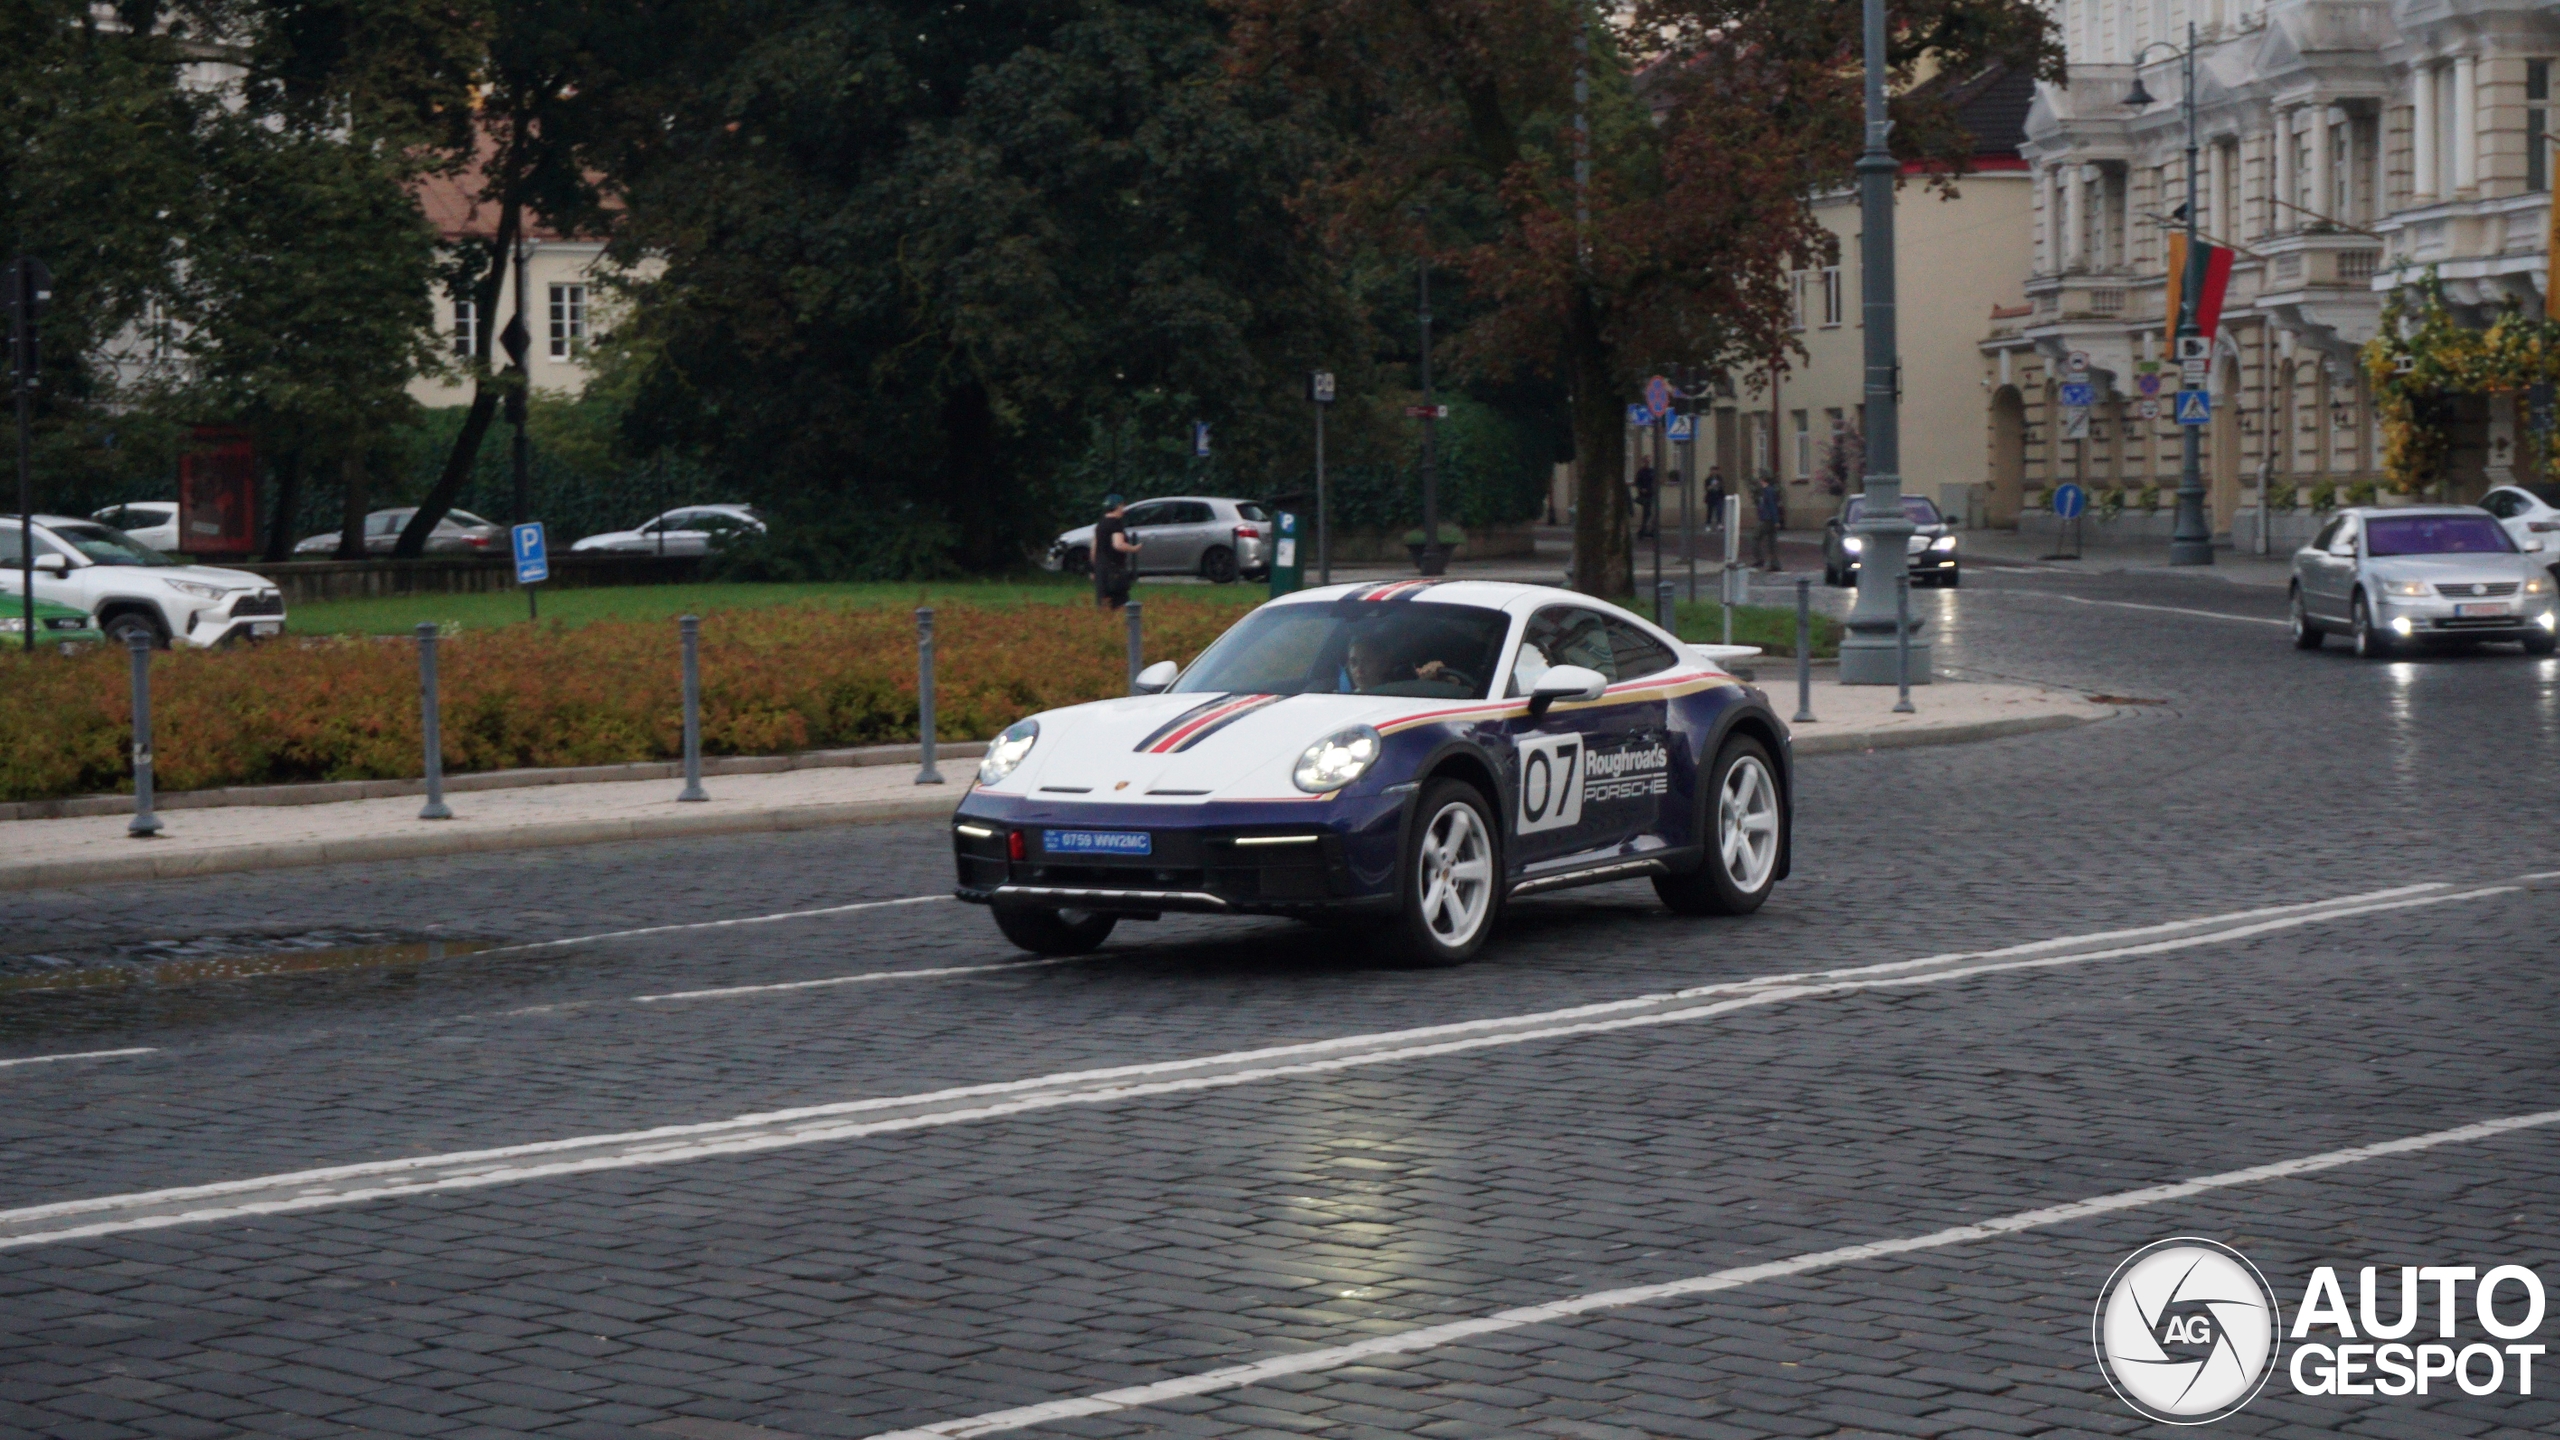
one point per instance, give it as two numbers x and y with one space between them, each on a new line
2191 543
1876 631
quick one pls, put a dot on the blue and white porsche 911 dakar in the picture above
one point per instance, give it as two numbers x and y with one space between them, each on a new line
1401 757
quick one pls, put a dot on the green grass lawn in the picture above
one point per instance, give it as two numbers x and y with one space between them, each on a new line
1771 628
398 615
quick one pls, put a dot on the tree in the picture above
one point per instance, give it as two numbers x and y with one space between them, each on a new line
1704 125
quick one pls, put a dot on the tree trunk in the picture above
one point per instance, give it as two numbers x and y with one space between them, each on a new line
485 390
352 508
969 488
1603 555
283 505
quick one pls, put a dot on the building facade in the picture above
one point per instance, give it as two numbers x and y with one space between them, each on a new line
570 305
2345 148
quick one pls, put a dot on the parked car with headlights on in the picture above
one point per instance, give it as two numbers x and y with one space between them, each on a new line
2400 576
132 589
1215 538
1932 546
691 530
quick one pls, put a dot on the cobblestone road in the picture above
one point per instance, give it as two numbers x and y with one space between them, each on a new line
860 1286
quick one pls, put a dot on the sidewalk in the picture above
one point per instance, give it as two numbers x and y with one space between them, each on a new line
279 828
2010 549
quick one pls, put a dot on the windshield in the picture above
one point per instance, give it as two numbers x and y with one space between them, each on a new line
105 546
1355 647
462 517
1915 509
2435 535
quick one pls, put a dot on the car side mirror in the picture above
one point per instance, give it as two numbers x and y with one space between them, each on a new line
54 564
2533 545
1157 677
1566 682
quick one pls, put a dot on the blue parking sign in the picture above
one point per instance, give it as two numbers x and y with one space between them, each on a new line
533 558
2081 395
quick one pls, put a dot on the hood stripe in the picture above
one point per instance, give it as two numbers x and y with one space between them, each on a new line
1176 733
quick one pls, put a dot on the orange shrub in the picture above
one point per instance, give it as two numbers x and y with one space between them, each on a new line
786 678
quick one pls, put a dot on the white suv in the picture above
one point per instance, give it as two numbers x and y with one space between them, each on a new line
129 588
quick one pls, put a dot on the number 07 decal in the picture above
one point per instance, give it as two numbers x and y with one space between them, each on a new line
1550 782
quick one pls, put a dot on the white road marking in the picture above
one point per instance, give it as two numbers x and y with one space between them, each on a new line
866 978
706 925
2164 609
1432 1337
80 1055
855 1119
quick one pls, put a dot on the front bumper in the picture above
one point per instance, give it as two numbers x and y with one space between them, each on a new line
254 615
1240 857
1922 562
2432 617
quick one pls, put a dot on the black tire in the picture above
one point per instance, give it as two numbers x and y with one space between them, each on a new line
1455 819
2542 644
1218 566
2307 633
124 624
2371 641
1053 932
1727 883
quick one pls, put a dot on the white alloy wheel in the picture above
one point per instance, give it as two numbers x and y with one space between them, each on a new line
1747 823
1455 875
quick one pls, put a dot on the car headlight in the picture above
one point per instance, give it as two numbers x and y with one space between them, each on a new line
198 589
1943 542
2407 587
2537 586
1853 543
1007 750
1338 759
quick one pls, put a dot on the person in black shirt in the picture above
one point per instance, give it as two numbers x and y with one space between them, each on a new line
1115 555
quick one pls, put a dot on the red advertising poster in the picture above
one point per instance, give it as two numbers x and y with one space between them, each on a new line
218 494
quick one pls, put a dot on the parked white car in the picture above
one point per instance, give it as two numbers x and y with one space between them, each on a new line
2528 517
153 522
130 588
692 530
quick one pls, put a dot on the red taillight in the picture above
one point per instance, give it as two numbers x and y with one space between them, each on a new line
479 542
2542 525
1013 844
1247 532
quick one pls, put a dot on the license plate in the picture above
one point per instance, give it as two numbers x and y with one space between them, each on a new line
2466 610
266 627
1097 842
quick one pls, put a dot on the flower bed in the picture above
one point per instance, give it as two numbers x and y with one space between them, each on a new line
773 680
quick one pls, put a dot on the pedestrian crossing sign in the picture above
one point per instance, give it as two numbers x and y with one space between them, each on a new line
2195 407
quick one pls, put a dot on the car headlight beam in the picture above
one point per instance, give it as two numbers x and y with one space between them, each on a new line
1005 752
2407 587
1943 542
1853 543
1338 759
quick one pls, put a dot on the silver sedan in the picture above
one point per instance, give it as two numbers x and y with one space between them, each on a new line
2392 577
1205 535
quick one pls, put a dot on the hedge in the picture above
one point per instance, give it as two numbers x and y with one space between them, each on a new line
774 680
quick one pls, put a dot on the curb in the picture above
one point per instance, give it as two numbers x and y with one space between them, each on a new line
438 840
1956 734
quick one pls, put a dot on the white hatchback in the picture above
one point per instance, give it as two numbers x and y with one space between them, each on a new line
129 589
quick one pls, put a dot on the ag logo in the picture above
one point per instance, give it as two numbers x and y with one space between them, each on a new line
1550 782
2186 1331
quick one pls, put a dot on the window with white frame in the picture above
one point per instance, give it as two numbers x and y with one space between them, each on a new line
1803 428
1795 299
466 328
2537 125
1832 306
568 321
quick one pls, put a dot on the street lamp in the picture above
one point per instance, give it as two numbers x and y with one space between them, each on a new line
2191 542
1868 651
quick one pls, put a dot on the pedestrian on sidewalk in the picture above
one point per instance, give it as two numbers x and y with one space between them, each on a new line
1115 555
1644 502
1772 504
1715 497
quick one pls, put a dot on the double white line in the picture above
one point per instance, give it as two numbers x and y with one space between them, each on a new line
856 1119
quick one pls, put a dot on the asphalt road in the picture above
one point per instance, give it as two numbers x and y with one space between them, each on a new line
889 1254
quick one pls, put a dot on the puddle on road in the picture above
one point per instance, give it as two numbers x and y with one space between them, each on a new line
201 959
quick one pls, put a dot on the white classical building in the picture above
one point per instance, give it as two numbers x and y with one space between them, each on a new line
2346 147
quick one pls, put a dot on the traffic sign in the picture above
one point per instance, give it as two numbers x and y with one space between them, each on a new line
2075 424
1320 386
533 557
1199 439
1684 427
2194 347
2147 409
2069 501
2190 374
1657 395
1426 412
2077 363
2148 383
2195 407
2080 396
1639 417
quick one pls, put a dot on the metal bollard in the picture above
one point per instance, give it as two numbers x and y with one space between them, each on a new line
1665 605
1137 645
145 824
1804 649
690 627
928 774
431 725
1902 642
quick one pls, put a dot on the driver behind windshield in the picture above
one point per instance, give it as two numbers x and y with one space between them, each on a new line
1374 665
